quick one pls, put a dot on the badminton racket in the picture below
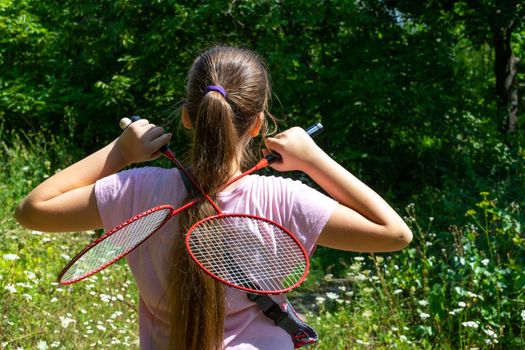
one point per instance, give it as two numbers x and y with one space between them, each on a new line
248 253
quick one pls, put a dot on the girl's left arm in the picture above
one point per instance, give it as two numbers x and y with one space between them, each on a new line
66 201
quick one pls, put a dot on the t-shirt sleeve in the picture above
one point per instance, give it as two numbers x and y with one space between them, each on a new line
125 194
310 211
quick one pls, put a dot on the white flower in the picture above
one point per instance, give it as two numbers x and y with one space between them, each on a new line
30 275
485 262
11 257
398 291
490 333
41 345
423 302
319 300
105 298
101 327
367 314
55 344
462 304
470 324
116 314
342 288
359 258
331 296
473 295
523 315
66 321
423 315
36 233
360 277
27 297
10 288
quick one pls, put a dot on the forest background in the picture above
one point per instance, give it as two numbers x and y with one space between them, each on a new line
422 100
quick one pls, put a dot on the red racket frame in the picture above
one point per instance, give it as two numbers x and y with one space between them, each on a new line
312 131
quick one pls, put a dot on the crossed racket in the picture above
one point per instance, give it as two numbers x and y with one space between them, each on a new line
243 251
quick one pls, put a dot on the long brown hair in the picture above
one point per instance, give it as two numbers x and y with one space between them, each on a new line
220 134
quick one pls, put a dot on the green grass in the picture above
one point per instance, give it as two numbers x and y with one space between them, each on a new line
99 312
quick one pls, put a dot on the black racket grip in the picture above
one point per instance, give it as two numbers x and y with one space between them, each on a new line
312 130
134 118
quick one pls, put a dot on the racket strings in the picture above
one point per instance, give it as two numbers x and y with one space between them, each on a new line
248 252
115 245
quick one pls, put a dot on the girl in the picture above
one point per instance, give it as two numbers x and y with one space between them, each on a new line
180 307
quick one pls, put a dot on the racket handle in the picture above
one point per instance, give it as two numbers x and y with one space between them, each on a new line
125 122
312 130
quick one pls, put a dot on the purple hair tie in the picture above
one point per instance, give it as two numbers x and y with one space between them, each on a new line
217 88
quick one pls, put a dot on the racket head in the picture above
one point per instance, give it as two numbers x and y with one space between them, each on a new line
248 252
115 244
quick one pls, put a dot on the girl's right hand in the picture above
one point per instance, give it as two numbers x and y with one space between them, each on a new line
141 141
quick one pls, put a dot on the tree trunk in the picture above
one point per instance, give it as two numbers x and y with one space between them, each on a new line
506 71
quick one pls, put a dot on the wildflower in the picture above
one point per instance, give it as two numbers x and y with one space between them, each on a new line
473 295
30 275
423 315
328 277
490 333
331 296
41 345
55 344
455 311
37 233
398 291
10 288
359 258
319 300
66 321
470 324
523 315
11 257
105 298
462 304
101 327
367 314
342 288
485 262
423 302
360 277
116 314
27 297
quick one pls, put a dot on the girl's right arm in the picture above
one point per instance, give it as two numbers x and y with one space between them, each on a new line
362 221
66 201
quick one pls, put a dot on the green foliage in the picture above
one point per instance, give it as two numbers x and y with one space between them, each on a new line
466 290
405 90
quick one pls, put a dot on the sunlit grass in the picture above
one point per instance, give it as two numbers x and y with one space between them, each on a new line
38 313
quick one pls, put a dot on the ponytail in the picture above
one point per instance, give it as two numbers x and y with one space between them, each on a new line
227 89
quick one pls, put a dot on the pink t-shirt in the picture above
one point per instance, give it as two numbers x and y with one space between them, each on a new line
301 209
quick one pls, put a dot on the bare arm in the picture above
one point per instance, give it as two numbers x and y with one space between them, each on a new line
66 201
363 221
